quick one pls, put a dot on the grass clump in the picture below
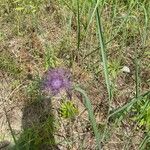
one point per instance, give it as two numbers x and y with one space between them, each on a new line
68 110
9 65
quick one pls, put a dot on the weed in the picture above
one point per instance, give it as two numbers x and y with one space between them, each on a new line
68 110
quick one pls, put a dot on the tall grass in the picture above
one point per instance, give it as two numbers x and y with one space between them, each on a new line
102 53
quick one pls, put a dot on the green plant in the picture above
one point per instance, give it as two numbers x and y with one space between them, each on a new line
27 6
114 69
31 138
33 90
21 9
143 113
68 110
126 108
51 60
9 65
92 119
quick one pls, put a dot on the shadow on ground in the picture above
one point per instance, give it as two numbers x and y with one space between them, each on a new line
38 127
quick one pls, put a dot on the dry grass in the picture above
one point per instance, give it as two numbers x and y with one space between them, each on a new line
23 63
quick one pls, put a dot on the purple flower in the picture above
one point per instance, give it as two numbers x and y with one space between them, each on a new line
57 80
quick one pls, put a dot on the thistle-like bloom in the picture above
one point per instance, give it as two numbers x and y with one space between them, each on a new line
57 80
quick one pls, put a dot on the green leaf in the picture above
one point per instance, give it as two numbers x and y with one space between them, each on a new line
92 119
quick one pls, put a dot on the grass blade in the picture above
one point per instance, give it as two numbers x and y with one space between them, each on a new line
10 128
146 139
92 119
102 51
128 105
78 25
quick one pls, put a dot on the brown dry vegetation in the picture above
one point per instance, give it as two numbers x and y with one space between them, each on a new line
23 62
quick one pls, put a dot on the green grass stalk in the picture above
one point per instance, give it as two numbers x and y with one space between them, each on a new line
92 119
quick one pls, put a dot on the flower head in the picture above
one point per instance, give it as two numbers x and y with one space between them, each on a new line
57 80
